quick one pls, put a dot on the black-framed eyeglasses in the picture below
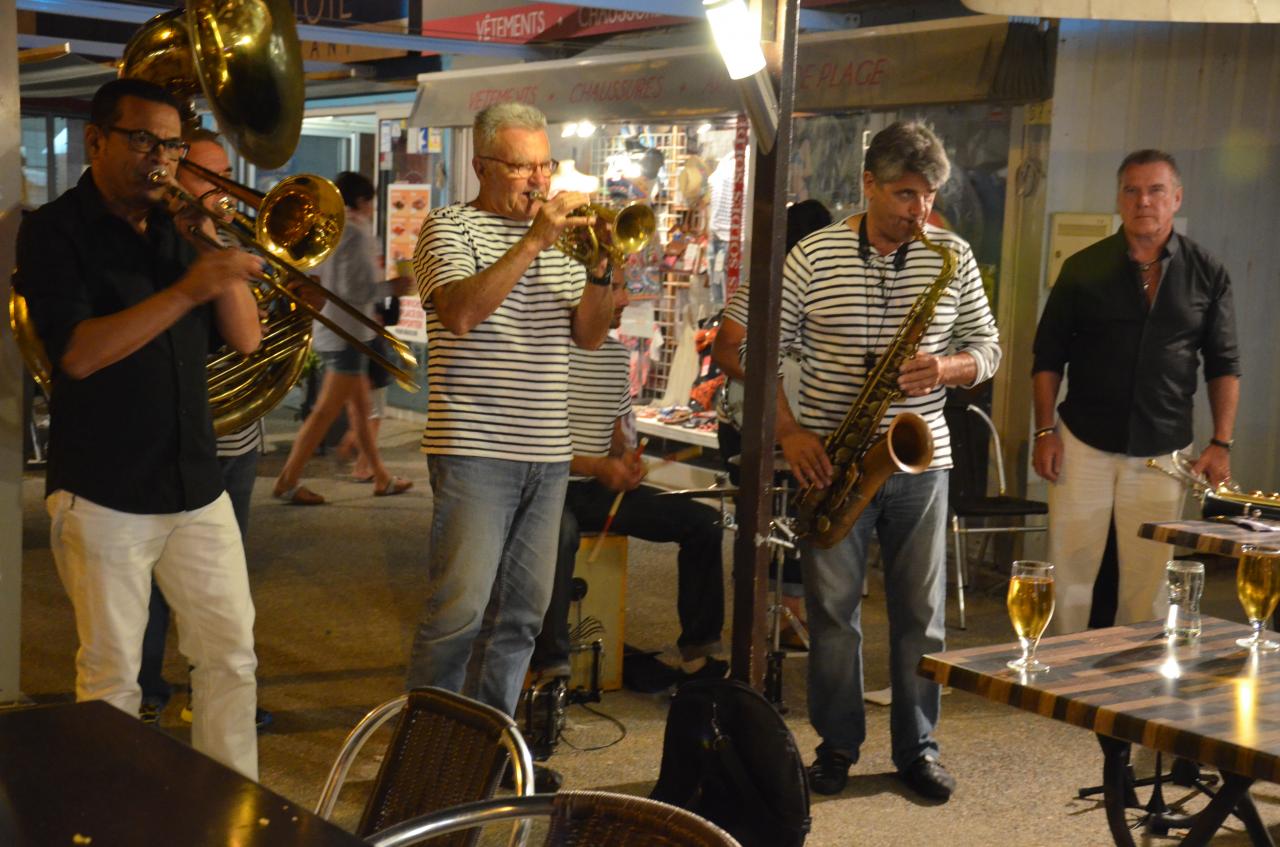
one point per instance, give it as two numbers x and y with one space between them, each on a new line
141 141
524 170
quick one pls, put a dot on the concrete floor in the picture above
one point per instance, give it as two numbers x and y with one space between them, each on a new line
338 589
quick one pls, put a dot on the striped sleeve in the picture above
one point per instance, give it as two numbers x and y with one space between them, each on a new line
443 253
974 331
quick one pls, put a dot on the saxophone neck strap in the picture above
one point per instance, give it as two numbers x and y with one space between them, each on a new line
864 247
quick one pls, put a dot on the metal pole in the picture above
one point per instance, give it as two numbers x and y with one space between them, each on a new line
751 554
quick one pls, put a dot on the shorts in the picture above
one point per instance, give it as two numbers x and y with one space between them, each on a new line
348 361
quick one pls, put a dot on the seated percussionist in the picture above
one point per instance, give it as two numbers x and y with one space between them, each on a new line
604 463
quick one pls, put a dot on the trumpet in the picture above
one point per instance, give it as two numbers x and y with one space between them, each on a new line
1227 497
616 233
286 223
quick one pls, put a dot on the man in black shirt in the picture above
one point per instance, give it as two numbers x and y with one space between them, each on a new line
1127 321
128 313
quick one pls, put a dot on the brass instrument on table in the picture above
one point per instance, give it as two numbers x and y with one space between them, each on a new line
1225 498
861 458
616 233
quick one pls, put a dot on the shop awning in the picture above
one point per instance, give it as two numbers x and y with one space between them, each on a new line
973 59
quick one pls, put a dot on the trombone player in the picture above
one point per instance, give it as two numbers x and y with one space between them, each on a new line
126 305
502 310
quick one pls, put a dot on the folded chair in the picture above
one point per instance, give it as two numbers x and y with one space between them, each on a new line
577 819
973 511
447 750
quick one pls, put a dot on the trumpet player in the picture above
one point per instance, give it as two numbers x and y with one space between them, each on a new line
1127 321
502 310
126 306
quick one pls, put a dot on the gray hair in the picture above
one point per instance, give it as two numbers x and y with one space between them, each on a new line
908 146
1148 157
493 119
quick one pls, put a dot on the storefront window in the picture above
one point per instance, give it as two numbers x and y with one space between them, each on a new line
412 180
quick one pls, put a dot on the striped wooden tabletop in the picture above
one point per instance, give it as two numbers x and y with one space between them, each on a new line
1209 700
1222 539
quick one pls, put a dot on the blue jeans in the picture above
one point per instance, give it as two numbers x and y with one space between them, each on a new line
490 571
908 515
238 473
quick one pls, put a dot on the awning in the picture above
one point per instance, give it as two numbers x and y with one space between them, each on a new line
972 59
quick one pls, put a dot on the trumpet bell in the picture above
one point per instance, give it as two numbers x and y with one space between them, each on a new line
633 228
616 233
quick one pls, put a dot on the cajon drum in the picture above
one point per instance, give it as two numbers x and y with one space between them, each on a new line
605 603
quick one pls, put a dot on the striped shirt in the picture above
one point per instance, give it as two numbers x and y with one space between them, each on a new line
499 391
842 311
599 394
242 441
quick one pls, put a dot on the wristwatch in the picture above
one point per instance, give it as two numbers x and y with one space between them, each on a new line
605 279
1225 445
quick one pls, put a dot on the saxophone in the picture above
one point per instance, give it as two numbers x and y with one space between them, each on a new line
861 458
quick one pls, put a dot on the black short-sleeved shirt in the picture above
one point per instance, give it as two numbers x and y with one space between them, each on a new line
1131 371
135 436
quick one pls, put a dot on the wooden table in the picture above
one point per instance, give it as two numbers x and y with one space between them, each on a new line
1209 701
1220 539
90 770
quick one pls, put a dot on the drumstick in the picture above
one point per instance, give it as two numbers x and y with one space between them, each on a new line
613 510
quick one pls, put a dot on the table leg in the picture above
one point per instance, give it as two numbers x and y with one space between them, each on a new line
1117 788
1232 798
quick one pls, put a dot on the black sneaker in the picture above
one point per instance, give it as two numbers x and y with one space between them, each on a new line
712 668
829 773
927 777
545 780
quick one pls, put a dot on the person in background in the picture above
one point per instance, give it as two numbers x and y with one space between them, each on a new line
1127 321
352 273
238 454
127 308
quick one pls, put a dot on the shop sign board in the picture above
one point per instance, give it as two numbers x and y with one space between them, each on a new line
892 66
375 15
543 22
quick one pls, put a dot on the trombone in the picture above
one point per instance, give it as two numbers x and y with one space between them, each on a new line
296 218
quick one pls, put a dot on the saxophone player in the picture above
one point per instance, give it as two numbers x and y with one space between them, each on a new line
846 290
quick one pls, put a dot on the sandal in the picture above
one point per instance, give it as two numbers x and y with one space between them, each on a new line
395 486
299 495
362 479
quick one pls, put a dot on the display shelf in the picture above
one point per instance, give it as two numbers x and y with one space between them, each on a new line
676 432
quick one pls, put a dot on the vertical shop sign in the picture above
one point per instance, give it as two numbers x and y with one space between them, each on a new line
407 207
733 255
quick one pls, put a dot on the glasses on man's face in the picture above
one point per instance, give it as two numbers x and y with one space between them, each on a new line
141 141
524 170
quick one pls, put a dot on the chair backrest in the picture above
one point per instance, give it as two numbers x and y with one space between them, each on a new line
447 750
969 453
577 819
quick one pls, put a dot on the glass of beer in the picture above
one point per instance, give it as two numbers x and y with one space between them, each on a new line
1258 585
1030 608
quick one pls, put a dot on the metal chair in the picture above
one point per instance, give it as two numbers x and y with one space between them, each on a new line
447 750
577 819
973 511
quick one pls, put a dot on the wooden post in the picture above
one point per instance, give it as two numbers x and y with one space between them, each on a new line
751 554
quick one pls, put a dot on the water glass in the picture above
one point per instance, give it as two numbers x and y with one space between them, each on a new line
1185 580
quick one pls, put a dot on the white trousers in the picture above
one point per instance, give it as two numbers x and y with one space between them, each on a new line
1091 484
106 559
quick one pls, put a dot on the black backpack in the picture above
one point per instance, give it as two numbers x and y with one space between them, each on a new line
728 756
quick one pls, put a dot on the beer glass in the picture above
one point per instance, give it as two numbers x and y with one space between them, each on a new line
1030 604
1258 585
